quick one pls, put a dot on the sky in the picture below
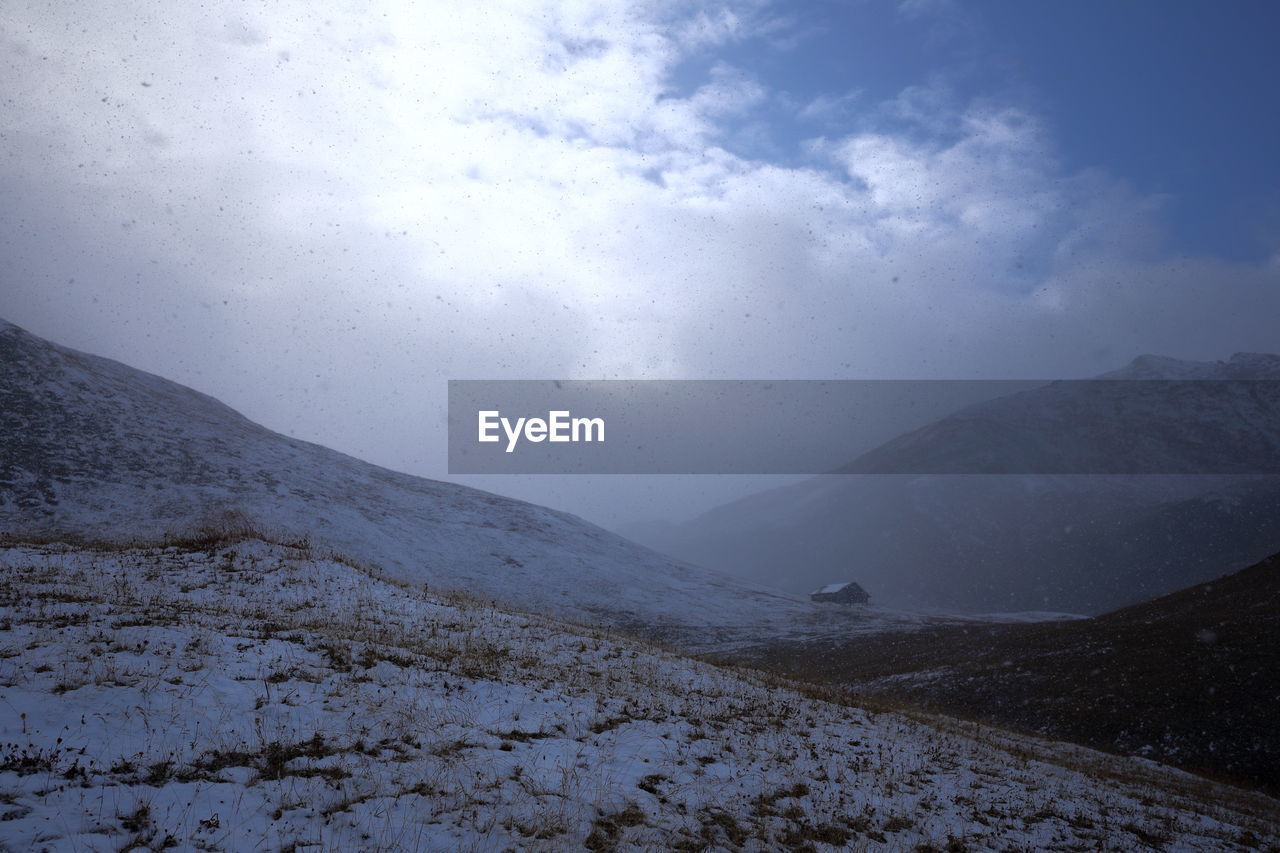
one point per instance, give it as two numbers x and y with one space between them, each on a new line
320 212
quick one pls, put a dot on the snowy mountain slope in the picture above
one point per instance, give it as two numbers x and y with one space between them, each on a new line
96 450
1075 543
253 696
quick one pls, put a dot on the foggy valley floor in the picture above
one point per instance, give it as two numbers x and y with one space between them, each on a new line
255 696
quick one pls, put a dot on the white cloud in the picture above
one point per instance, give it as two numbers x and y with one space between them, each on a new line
829 108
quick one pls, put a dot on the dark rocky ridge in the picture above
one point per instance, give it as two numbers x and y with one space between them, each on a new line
1190 679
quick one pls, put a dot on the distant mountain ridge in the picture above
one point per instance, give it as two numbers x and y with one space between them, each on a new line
1068 540
1241 365
94 449
1155 416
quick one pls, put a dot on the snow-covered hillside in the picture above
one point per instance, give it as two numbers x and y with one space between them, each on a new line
253 696
96 450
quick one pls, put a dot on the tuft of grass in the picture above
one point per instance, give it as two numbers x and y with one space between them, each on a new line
606 829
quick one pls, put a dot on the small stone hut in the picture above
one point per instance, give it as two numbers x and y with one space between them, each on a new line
841 593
